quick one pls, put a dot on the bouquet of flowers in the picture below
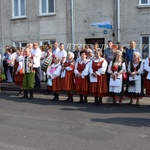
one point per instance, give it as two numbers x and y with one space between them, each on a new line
114 68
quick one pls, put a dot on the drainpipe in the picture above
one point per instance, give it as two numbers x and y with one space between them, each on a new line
2 38
118 20
72 24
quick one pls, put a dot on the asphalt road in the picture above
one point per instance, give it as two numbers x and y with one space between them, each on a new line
41 124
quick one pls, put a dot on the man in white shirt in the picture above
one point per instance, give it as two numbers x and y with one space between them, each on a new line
62 54
56 49
36 55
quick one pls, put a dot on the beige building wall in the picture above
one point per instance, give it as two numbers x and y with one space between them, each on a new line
135 21
87 12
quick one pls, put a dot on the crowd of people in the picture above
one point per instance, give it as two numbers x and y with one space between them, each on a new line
111 72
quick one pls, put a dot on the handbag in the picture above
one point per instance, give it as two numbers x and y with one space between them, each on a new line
49 82
125 76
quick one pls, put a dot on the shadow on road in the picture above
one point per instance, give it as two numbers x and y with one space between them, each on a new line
136 122
106 108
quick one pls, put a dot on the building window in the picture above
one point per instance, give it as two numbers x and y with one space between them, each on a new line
144 2
47 7
19 44
145 47
19 8
47 42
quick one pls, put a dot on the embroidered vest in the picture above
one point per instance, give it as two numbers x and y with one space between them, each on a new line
96 65
135 68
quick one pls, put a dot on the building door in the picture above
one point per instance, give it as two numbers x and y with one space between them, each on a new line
100 41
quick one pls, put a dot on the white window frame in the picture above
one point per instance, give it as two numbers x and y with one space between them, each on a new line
148 2
47 13
18 44
141 45
49 41
19 10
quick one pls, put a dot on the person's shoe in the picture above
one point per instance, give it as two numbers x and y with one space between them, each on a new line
18 94
67 100
137 104
85 100
25 94
31 94
119 104
81 99
113 104
81 102
131 102
22 93
100 101
56 97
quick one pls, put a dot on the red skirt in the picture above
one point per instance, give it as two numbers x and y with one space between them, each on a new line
83 89
67 83
99 88
18 79
56 85
147 86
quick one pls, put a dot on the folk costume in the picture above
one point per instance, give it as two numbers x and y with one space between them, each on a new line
67 76
18 77
81 83
98 85
29 76
147 80
53 75
116 84
135 90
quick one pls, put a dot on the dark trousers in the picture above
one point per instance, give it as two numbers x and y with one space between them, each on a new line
5 66
37 77
108 79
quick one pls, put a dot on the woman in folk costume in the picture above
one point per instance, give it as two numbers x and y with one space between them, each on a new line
98 80
115 69
90 54
147 80
67 75
135 69
53 75
81 78
18 77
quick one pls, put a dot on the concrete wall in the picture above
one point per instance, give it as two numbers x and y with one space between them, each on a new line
134 21
91 12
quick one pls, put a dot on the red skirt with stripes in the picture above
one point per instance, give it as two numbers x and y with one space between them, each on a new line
99 88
